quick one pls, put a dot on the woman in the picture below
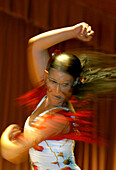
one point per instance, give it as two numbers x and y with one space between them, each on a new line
50 119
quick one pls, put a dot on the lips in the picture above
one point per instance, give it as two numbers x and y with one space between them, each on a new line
58 100
58 97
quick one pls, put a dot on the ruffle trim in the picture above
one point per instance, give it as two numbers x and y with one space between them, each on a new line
83 127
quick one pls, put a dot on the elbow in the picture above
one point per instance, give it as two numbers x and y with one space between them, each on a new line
33 46
30 41
36 42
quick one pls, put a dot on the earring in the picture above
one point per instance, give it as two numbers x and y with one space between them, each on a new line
76 81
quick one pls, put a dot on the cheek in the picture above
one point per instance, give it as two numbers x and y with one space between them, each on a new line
68 93
49 88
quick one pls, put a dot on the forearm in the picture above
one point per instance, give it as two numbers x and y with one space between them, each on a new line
50 38
41 130
37 51
16 150
38 45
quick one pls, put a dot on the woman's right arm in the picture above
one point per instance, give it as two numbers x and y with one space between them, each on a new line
44 128
37 50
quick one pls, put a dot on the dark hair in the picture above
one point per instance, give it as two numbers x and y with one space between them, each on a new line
68 63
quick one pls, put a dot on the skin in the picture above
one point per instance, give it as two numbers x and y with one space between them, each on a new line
38 47
56 96
37 62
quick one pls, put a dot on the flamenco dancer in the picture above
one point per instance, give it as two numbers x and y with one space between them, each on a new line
50 131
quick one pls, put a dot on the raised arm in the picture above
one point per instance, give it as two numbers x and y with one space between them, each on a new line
37 51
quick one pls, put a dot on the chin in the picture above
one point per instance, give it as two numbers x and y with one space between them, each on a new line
58 103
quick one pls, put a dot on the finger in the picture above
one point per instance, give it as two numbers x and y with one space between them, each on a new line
89 29
84 28
87 34
90 34
13 134
10 128
88 38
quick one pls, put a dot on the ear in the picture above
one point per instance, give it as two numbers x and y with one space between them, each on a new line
46 73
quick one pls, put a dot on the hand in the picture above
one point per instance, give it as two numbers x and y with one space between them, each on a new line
13 148
83 31
14 131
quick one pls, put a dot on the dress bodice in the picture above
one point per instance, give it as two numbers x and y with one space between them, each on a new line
56 154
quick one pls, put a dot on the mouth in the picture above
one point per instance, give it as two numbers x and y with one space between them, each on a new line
58 97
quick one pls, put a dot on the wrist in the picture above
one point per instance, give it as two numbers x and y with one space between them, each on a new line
76 29
73 32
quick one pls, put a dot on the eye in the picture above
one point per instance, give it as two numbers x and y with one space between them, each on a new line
52 81
65 85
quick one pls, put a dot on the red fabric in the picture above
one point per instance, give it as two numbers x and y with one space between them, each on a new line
33 97
66 168
35 167
81 121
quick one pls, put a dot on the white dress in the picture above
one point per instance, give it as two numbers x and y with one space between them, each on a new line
57 154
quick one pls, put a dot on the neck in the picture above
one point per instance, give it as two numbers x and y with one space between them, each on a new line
49 105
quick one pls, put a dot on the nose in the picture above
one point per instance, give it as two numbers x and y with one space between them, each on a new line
58 88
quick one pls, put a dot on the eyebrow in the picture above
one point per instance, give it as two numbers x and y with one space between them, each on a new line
67 81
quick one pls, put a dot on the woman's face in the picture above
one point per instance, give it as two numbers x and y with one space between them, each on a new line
59 86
